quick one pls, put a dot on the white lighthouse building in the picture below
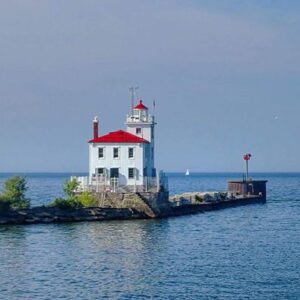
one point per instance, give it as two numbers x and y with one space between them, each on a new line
125 159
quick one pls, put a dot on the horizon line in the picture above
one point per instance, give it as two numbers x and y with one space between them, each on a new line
191 172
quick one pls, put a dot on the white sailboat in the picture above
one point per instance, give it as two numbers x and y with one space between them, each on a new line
187 173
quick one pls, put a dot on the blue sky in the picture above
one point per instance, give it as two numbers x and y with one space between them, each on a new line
225 76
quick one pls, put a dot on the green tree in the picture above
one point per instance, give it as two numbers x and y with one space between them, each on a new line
86 199
70 187
14 192
73 199
65 204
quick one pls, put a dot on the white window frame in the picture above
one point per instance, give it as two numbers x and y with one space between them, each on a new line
133 173
103 152
118 149
133 152
97 172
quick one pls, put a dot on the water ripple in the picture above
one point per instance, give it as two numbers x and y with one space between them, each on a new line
249 252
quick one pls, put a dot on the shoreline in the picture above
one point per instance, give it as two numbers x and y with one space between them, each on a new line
50 215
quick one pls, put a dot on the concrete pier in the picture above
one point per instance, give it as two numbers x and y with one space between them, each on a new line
143 205
140 209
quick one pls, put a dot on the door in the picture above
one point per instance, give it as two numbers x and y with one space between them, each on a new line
114 173
114 178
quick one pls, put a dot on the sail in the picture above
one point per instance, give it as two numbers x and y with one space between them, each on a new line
187 173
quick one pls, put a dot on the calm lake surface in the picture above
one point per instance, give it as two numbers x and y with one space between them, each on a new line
250 252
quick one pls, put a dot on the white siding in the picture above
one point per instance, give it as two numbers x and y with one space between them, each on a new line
145 130
122 163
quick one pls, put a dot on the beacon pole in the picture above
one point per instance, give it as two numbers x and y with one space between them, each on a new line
246 159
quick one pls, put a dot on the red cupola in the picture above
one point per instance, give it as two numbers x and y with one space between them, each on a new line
141 106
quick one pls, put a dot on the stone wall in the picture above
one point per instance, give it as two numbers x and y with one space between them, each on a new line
151 204
55 215
158 202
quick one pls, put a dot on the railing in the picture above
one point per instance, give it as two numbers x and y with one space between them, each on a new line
99 184
138 119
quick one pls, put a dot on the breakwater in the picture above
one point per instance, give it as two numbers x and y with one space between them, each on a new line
211 206
55 215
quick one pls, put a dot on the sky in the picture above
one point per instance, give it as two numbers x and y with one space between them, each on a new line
225 76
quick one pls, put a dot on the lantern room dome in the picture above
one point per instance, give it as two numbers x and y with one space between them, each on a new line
140 105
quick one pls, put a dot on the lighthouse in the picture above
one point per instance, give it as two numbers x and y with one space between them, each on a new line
141 124
125 158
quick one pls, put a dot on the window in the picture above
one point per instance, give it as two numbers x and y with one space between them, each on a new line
153 172
100 152
116 152
138 130
130 152
130 173
145 172
100 171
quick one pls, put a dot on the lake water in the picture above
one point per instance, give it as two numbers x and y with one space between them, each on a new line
250 252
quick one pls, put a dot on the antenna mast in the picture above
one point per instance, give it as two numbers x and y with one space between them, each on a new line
132 92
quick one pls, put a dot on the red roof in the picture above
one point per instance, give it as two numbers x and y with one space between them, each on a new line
140 105
119 136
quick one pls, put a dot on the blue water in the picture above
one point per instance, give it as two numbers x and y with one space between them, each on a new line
250 252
